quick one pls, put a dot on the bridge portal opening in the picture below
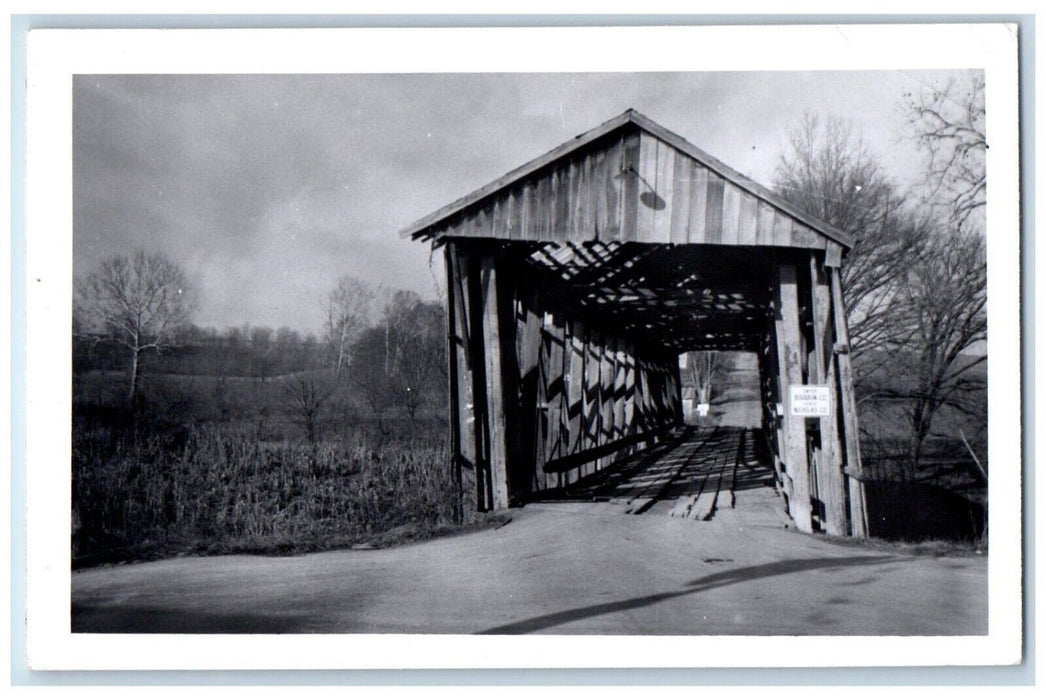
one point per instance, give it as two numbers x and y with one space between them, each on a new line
576 281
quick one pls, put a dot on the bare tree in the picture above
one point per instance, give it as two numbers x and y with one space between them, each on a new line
348 309
415 349
138 301
945 297
948 124
370 378
946 287
306 395
703 366
827 171
399 363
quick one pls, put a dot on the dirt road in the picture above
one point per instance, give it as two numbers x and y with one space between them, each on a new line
563 568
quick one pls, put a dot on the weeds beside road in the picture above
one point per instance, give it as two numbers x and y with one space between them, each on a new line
148 493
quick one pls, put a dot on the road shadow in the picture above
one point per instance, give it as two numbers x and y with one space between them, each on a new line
699 585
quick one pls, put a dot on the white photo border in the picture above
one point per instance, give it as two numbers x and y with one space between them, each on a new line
54 56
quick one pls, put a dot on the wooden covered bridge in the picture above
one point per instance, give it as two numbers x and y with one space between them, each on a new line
574 283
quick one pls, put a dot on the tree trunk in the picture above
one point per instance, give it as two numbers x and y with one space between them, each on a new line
133 390
921 417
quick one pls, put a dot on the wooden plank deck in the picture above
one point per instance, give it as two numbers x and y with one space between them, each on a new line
695 473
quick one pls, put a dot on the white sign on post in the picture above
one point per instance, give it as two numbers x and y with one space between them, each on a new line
810 401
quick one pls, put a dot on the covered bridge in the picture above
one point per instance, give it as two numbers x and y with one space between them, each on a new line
576 280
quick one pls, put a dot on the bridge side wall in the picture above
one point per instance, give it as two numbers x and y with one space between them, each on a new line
541 397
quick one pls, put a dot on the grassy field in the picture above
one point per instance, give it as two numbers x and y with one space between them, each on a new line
214 465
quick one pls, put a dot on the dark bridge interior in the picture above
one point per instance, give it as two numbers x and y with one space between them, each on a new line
677 297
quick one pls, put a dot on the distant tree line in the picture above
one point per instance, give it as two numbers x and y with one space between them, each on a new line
244 351
381 351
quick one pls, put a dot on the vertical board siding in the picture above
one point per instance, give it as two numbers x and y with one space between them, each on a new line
696 228
748 226
575 376
630 389
593 389
581 211
806 237
631 187
526 208
569 212
682 174
646 184
607 377
664 189
590 392
561 215
765 233
731 214
714 209
595 196
512 215
555 390
620 370
782 229
615 188
537 207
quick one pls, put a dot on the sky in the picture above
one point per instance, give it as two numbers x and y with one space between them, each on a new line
268 188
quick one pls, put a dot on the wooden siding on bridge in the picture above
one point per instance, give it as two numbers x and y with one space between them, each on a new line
633 187
591 394
635 182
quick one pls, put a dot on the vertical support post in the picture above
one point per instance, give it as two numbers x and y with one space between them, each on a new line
496 428
855 485
831 486
473 307
462 448
789 353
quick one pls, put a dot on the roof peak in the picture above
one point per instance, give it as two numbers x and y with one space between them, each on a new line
634 117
